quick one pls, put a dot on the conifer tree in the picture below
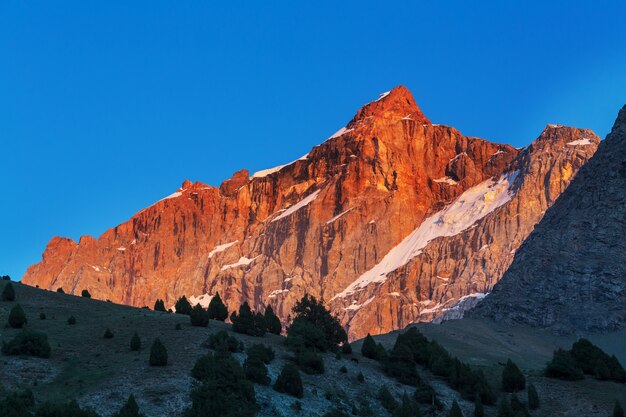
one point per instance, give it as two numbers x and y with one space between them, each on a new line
183 306
407 408
60 290
8 292
135 342
455 410
618 411
17 317
533 397
85 294
247 322
129 409
108 334
369 348
158 353
386 399
159 305
479 409
272 321
217 309
512 378
199 316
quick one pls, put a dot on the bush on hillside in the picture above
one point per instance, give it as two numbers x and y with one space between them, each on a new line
455 410
371 350
129 409
407 408
158 353
85 294
159 305
400 364
217 309
108 334
312 311
17 317
135 342
412 347
425 394
512 378
223 341
224 391
533 397
247 322
183 306
289 381
17 404
618 411
309 362
199 316
479 409
518 407
42 316
70 409
71 320
386 399
28 343
263 352
6 278
60 290
272 321
594 361
8 292
255 370
563 366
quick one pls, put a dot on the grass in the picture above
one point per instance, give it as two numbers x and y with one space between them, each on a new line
102 372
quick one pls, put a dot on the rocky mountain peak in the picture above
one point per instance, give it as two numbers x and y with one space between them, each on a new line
392 105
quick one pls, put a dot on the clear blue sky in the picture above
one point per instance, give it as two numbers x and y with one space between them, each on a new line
105 107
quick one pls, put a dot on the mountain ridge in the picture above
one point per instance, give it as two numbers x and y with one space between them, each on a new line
315 225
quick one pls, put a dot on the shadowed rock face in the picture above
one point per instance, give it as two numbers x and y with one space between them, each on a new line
570 274
344 223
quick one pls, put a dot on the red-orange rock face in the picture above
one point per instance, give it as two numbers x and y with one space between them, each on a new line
391 220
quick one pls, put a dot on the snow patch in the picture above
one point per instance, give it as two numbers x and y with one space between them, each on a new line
303 203
446 180
121 249
354 306
269 171
243 261
173 195
276 293
340 132
339 215
383 95
394 294
434 309
581 142
471 206
221 248
457 156
203 300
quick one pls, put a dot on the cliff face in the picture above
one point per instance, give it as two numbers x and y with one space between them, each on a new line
570 274
391 220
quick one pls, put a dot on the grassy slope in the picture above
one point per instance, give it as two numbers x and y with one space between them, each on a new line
102 372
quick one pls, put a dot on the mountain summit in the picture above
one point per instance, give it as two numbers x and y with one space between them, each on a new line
391 220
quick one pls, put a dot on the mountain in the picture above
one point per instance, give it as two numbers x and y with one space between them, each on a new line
570 274
391 220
